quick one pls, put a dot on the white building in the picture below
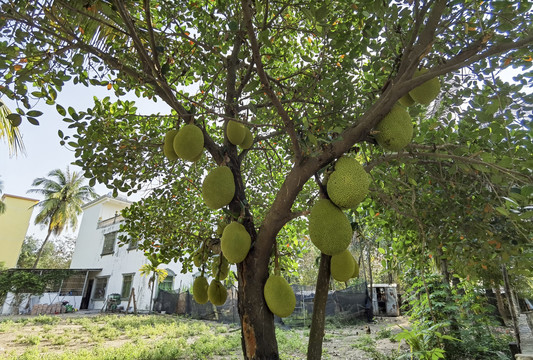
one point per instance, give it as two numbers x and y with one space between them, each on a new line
97 249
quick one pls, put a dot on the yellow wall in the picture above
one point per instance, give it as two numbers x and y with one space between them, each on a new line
14 224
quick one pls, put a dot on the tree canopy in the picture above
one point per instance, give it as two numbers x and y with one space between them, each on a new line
311 81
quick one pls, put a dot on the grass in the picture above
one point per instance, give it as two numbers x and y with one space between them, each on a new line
150 337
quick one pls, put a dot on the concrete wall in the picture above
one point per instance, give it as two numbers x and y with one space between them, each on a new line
14 224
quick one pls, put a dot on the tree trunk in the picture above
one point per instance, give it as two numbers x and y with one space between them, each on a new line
493 301
316 336
500 304
512 308
258 335
41 249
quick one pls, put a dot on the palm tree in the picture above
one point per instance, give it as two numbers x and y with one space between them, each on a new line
10 132
64 194
2 204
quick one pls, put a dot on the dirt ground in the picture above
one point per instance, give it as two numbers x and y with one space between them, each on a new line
340 343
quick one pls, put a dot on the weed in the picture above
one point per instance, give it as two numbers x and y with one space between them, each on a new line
385 333
45 319
29 339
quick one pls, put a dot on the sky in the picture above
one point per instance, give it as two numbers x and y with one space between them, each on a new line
43 151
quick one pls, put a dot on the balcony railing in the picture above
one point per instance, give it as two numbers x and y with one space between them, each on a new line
107 222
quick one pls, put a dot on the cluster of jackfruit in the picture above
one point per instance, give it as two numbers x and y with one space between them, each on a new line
395 130
279 296
239 135
218 188
235 242
348 185
187 143
215 292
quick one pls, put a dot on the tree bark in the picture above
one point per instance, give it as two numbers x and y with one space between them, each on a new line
41 249
314 347
510 300
501 306
493 301
258 335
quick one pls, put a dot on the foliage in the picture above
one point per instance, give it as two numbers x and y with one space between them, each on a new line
2 204
311 81
33 282
57 253
9 132
457 320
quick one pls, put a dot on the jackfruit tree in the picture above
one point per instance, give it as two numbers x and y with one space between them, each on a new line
279 91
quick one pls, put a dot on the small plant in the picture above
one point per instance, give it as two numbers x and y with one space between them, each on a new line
385 333
45 320
29 339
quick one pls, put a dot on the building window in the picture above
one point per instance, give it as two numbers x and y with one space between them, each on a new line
109 243
167 284
100 288
127 281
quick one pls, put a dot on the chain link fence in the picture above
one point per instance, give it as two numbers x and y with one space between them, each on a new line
347 305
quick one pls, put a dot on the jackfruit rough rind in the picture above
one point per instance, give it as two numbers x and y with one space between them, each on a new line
218 188
189 142
395 130
220 228
235 242
217 293
248 139
355 270
168 145
348 184
279 296
406 100
329 228
222 270
235 132
428 91
197 259
199 290
342 266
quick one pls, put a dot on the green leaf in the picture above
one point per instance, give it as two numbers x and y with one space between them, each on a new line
34 113
33 121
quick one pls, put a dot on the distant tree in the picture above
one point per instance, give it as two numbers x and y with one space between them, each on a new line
64 194
2 204
56 254
9 130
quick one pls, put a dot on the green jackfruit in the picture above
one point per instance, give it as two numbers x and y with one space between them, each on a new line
235 132
199 290
406 100
348 185
235 242
279 296
168 145
342 266
248 139
220 270
217 293
189 142
218 188
395 130
329 228
198 259
428 91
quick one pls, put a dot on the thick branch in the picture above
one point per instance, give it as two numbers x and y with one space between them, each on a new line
289 126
